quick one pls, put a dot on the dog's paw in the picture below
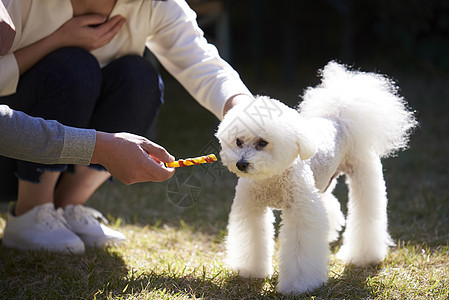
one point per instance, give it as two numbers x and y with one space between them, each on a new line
298 286
261 272
361 258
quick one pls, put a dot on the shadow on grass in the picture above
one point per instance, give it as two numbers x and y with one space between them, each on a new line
418 213
102 273
203 288
351 283
46 275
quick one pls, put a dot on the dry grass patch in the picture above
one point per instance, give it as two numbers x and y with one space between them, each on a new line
177 252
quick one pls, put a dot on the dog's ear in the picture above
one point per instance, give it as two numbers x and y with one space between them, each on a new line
305 143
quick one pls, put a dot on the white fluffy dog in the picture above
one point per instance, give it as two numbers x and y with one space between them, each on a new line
289 159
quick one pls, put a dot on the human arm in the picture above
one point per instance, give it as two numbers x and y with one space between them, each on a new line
88 32
32 43
127 157
179 44
43 141
8 74
7 30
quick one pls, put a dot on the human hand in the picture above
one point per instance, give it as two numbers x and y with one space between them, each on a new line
131 158
88 31
233 101
7 30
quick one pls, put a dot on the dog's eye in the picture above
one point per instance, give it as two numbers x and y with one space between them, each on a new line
239 143
261 144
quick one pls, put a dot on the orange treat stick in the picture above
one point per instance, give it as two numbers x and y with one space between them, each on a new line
192 161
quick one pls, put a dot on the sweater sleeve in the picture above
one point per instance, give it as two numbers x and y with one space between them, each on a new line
179 44
38 140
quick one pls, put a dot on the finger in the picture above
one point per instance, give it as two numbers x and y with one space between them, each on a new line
7 30
158 172
91 20
106 37
146 170
7 34
113 24
157 152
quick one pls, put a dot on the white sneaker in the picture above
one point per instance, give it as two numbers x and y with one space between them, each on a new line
42 228
84 221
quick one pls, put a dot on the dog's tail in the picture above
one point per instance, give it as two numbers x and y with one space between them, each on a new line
368 106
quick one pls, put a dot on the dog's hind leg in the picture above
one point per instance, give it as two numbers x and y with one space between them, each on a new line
366 239
333 210
250 240
304 249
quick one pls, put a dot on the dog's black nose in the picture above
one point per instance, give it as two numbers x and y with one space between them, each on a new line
242 165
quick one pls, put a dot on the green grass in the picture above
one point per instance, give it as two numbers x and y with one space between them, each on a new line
175 246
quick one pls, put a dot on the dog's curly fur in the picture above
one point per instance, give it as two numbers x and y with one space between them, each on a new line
289 159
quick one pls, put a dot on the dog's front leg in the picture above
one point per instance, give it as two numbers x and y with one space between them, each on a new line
250 243
304 249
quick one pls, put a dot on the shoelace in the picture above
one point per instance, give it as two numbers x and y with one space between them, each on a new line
52 218
87 214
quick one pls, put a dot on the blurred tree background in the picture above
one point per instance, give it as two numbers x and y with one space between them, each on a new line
278 46
281 40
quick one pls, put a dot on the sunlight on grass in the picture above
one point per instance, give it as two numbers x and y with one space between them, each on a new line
175 248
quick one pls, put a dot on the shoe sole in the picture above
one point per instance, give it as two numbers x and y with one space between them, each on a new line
95 242
64 250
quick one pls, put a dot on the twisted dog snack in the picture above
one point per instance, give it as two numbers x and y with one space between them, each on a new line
192 161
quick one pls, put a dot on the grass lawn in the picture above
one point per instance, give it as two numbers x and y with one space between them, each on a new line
176 229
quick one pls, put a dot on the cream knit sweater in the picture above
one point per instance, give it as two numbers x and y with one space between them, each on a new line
168 28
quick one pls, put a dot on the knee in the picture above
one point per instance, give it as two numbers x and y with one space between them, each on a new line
139 78
74 70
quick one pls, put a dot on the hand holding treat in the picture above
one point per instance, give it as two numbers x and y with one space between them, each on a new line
192 161
133 159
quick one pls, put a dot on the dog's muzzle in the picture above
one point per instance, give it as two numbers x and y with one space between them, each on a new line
242 165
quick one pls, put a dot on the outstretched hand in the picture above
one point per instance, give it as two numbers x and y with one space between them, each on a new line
131 158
